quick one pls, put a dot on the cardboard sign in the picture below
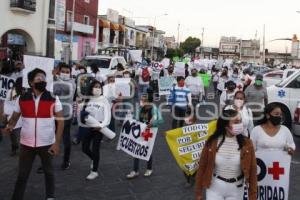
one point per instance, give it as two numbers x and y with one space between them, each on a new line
45 64
136 55
6 84
179 69
165 85
136 140
186 144
123 87
165 62
273 168
156 66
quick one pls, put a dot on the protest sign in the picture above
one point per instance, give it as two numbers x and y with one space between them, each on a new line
45 64
165 85
179 69
6 83
136 140
156 66
273 168
165 62
186 144
136 55
123 87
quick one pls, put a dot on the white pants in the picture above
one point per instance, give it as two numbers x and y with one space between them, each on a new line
221 190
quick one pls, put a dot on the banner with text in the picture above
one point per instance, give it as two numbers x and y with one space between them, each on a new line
6 83
136 140
186 144
165 85
273 168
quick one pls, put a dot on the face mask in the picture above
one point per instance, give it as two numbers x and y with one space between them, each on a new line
237 129
258 82
64 76
275 120
40 86
239 103
97 91
126 75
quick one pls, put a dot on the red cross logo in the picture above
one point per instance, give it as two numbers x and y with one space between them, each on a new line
147 134
276 171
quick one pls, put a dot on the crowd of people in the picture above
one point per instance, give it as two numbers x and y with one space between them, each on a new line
43 119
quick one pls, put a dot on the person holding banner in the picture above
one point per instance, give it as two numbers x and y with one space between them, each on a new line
271 134
149 114
227 161
98 109
246 113
41 133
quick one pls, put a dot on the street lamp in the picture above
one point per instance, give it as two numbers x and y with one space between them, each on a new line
165 14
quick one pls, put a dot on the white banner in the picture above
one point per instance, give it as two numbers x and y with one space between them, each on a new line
45 64
165 84
179 69
6 84
136 55
123 87
273 168
136 140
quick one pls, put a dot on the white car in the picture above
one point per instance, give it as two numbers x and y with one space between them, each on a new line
274 77
287 95
107 64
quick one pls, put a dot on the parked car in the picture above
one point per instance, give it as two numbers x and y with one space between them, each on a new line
107 64
287 95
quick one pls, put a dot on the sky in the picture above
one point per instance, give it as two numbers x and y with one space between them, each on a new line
239 18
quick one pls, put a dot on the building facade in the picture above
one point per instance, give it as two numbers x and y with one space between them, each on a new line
229 47
27 27
250 51
73 41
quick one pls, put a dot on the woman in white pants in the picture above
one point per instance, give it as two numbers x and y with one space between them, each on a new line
227 161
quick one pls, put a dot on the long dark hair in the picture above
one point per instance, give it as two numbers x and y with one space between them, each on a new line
223 122
268 109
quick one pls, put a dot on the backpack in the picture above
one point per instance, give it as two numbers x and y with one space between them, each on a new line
145 75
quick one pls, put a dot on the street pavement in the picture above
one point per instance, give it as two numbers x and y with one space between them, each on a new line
166 183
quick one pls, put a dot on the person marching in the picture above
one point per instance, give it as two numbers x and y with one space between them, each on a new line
195 84
227 161
148 113
271 134
227 95
99 108
39 135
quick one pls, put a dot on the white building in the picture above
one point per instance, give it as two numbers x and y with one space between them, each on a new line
24 25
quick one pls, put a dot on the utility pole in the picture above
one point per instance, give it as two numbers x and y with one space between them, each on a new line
264 44
178 30
202 42
72 32
254 45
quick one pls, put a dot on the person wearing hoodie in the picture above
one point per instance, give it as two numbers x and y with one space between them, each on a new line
64 87
98 107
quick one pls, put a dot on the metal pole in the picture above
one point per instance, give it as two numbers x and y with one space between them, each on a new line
178 43
153 38
202 42
264 45
241 43
72 31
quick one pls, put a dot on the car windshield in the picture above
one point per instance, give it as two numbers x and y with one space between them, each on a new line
101 63
285 81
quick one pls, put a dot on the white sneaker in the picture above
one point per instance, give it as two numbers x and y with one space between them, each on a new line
132 175
148 173
92 176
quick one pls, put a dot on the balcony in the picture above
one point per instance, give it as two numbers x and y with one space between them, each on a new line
27 6
81 28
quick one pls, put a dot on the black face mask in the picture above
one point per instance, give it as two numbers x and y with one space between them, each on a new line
40 86
275 120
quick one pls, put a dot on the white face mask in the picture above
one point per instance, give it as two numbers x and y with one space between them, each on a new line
237 129
126 75
64 76
239 103
97 91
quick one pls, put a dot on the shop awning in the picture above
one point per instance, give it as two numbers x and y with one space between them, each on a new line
103 23
121 28
114 26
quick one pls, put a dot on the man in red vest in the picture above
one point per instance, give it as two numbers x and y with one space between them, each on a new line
40 135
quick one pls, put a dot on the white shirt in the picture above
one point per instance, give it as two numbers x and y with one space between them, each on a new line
224 97
228 159
247 120
282 140
9 109
109 91
195 84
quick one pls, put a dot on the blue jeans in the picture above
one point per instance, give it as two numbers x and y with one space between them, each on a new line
142 90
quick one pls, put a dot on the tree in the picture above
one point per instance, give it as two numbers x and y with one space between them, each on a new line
174 52
190 45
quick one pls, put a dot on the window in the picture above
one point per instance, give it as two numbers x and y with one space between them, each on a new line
114 64
274 75
86 20
289 73
295 84
27 5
